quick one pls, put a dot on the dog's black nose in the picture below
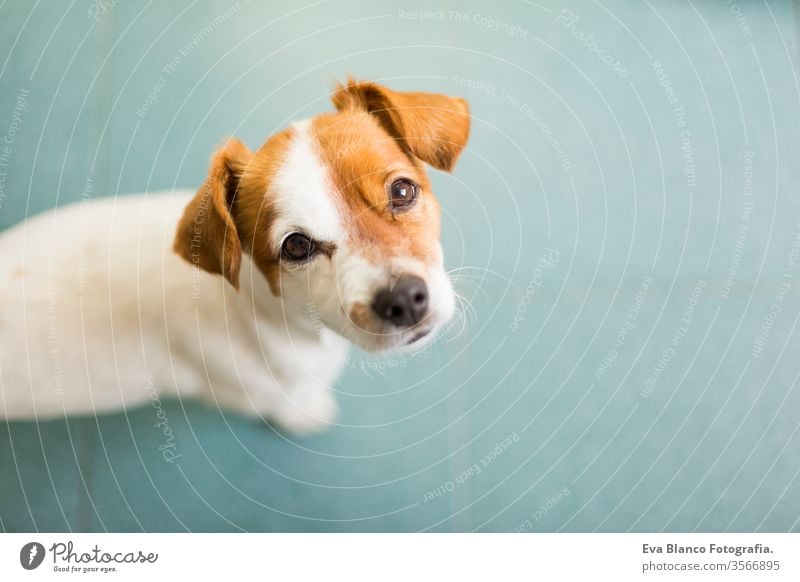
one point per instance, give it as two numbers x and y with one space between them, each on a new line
405 303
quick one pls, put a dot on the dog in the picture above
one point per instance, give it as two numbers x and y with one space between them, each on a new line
246 294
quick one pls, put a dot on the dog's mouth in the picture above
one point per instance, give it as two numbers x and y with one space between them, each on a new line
418 336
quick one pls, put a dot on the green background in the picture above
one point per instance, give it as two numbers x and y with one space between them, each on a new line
567 152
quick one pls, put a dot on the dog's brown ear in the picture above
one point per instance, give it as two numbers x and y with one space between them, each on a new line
207 235
430 126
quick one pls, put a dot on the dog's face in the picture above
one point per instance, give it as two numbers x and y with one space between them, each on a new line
337 213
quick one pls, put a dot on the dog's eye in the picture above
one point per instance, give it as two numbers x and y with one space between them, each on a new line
402 194
297 247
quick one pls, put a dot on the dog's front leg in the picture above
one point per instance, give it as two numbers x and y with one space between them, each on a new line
305 409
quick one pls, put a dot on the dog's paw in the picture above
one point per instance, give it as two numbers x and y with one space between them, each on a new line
309 413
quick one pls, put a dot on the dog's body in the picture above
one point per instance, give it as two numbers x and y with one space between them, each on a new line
83 331
331 225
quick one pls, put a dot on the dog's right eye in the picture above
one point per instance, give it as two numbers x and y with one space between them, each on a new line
297 247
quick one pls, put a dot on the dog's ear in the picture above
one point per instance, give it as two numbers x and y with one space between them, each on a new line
207 236
429 126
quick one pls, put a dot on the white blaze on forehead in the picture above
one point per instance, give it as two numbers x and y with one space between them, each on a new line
302 192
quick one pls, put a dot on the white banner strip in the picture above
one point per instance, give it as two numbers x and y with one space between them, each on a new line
402 557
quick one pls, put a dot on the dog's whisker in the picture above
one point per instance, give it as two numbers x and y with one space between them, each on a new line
474 286
461 316
482 277
475 281
469 309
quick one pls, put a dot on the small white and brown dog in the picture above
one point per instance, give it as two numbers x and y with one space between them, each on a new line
331 226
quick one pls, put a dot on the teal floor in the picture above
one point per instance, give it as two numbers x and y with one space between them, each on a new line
622 227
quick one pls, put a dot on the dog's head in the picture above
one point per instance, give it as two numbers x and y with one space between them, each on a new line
337 213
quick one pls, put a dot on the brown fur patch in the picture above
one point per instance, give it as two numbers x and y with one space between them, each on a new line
361 315
231 211
207 235
253 211
429 126
363 160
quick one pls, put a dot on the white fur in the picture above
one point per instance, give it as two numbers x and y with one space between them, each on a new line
302 192
97 313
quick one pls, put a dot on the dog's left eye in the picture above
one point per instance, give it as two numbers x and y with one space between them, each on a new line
297 247
402 194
